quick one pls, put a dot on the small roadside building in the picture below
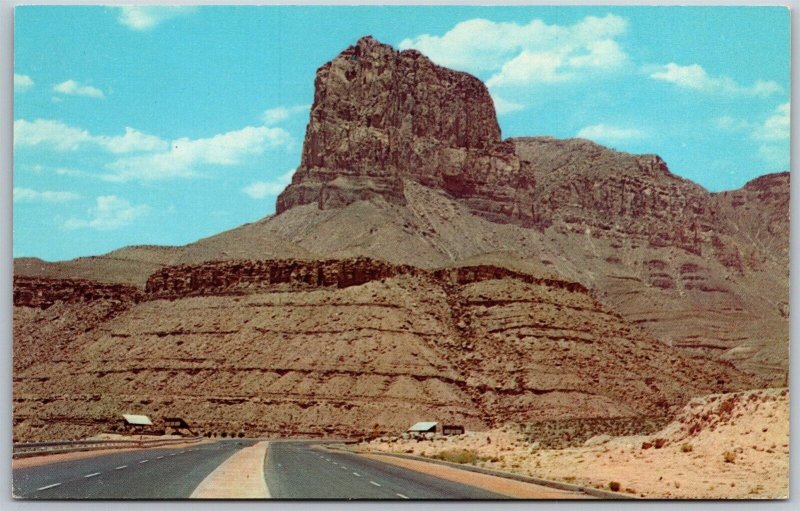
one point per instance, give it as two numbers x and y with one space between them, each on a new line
421 428
452 429
136 423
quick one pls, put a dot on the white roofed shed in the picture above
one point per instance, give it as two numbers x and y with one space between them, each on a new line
137 420
423 427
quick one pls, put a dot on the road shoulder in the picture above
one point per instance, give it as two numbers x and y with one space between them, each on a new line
508 487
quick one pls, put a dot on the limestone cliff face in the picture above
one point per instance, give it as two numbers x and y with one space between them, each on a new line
759 214
45 292
581 185
381 116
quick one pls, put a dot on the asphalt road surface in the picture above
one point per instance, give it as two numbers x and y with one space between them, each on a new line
297 470
168 473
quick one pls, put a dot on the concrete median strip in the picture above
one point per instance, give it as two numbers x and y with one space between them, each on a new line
240 477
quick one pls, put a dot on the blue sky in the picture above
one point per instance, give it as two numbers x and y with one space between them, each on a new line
153 125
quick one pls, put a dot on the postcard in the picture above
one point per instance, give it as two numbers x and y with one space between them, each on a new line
401 252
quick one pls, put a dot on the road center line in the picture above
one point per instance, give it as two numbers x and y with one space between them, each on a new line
87 476
401 495
373 482
160 457
172 454
121 467
143 461
48 486
356 474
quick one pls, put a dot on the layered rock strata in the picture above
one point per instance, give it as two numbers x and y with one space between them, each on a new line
380 116
338 347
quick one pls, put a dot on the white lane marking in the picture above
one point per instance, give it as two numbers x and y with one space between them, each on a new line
121 467
172 454
373 482
143 461
48 486
356 474
401 495
335 463
344 467
87 476
160 457
182 452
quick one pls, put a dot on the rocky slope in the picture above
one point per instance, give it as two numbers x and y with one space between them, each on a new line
335 347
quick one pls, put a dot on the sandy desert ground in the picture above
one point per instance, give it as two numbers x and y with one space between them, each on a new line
722 446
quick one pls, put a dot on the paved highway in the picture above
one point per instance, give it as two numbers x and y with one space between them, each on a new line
297 470
292 470
168 473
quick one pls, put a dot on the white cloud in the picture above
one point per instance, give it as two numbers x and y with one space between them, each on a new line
22 82
109 213
157 158
62 137
773 135
29 195
608 133
527 54
776 126
728 123
602 54
133 141
185 155
57 135
696 78
145 17
279 114
64 171
528 68
264 189
503 106
73 88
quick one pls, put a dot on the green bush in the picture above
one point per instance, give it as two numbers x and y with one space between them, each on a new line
465 456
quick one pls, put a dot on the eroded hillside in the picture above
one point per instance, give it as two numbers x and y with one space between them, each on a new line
335 347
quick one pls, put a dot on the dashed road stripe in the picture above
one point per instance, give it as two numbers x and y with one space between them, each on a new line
87 476
172 454
48 486
401 495
373 482
356 474
143 461
160 457
121 467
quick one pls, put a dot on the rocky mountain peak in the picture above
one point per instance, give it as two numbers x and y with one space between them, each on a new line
381 116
